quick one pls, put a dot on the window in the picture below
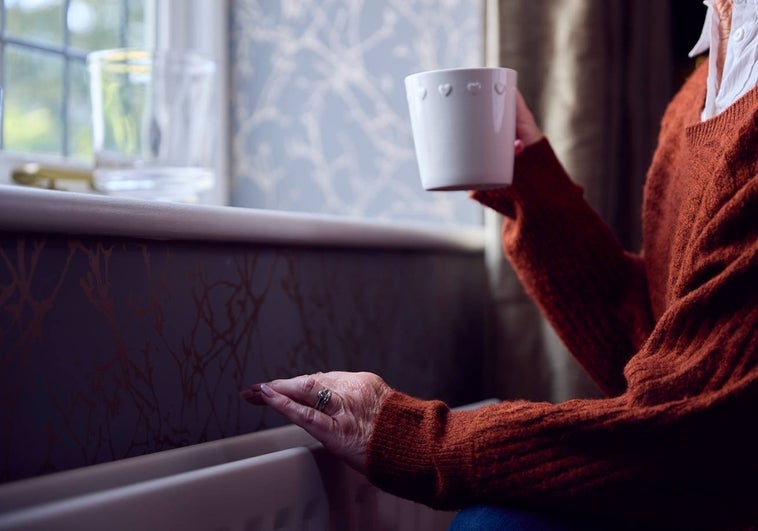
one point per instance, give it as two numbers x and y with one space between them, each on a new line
43 48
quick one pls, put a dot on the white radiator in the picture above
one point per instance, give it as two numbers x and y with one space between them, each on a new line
278 479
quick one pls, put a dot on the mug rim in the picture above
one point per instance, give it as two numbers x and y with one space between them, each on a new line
464 69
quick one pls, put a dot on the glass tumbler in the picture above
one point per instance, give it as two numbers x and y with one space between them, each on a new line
151 123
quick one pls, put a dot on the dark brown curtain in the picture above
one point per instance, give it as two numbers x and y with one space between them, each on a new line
598 75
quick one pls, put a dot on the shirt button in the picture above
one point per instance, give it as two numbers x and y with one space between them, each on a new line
739 34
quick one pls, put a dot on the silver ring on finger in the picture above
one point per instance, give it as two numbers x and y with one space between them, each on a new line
323 399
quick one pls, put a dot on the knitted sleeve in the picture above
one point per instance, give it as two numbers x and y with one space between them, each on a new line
678 446
592 291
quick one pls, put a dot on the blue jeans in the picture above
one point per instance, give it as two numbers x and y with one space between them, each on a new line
491 518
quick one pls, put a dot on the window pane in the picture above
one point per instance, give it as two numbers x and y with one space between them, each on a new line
94 24
35 19
33 96
34 78
79 127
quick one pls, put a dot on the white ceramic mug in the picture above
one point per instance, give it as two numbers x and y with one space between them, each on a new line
464 125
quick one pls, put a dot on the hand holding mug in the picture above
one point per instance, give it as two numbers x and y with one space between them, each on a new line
527 132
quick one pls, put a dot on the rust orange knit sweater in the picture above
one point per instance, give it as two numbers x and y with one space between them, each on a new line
671 336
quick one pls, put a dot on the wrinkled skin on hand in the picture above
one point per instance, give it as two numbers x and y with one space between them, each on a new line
345 425
527 132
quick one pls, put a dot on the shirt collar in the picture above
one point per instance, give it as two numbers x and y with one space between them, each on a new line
704 42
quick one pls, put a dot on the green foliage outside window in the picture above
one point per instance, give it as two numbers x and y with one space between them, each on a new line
40 79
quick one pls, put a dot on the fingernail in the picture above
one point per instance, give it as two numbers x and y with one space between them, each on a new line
246 393
518 146
266 390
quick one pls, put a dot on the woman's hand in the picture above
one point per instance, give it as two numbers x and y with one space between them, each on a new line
527 132
337 408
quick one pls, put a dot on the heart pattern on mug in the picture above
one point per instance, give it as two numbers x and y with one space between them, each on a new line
474 87
499 87
445 89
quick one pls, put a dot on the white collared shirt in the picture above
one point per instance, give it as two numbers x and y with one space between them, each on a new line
740 72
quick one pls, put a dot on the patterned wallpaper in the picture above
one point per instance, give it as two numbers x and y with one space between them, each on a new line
112 348
319 116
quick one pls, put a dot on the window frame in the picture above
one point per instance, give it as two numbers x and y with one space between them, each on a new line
200 25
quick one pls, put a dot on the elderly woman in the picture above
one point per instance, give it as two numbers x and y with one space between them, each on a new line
670 335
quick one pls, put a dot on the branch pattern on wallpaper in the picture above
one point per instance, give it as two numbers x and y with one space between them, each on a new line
319 117
111 348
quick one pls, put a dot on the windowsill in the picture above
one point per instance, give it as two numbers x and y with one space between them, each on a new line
38 210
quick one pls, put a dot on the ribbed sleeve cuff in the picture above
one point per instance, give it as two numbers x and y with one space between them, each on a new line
539 180
409 455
